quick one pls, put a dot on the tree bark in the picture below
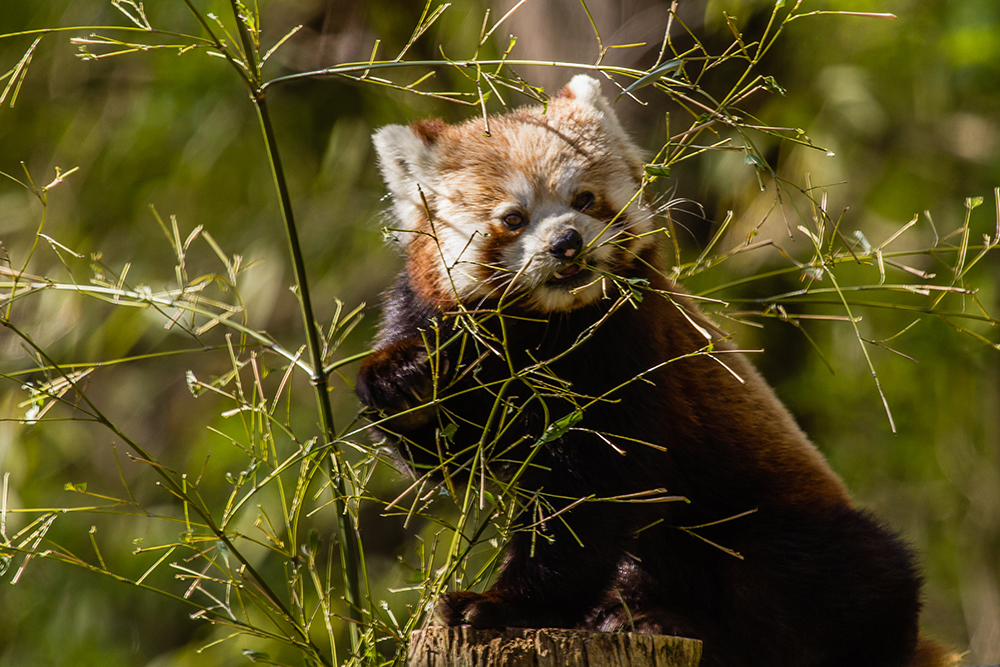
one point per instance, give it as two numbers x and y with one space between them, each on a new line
464 646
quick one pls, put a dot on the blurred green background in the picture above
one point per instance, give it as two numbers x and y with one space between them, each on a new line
910 108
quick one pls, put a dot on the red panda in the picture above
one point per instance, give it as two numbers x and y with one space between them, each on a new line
589 375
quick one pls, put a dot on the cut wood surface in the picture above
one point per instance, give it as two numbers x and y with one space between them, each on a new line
464 646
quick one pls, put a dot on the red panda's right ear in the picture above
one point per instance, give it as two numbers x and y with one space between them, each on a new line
406 160
585 91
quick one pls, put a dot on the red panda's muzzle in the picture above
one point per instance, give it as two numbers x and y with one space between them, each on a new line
566 246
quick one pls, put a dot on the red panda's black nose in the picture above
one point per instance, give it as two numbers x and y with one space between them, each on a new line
566 244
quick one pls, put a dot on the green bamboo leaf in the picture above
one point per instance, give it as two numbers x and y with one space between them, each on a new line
256 656
652 77
557 429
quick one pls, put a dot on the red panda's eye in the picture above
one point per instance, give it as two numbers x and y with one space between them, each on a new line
583 201
514 220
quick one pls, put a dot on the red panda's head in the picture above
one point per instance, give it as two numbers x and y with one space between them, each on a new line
544 207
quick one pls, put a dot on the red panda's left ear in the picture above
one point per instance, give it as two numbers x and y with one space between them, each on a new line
406 160
428 129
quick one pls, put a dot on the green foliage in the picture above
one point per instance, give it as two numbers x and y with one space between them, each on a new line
185 476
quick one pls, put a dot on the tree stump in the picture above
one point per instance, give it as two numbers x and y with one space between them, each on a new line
464 646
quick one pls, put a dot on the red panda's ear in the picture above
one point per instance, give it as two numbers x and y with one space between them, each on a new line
583 89
428 129
406 160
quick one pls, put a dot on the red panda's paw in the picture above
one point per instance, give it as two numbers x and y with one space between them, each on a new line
492 609
480 610
450 608
399 379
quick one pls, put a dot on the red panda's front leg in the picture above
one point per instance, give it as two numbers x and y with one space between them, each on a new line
547 581
396 381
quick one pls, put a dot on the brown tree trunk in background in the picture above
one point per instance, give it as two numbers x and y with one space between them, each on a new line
464 646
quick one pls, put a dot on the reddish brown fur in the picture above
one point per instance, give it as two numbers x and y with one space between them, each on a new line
931 654
427 282
817 582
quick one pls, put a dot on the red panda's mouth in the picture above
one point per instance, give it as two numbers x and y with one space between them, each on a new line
568 272
574 273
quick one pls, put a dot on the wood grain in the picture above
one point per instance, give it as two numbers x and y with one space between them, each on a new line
464 646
